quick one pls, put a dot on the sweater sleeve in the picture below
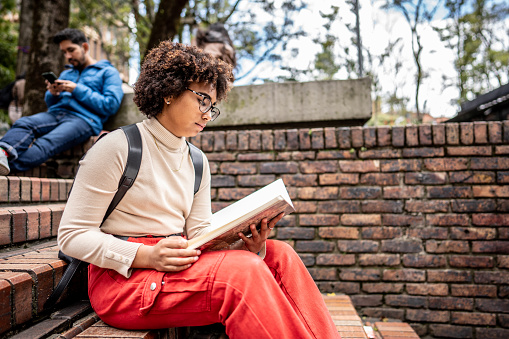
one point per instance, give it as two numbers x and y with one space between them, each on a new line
79 234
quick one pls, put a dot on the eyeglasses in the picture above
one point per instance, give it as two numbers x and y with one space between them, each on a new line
206 105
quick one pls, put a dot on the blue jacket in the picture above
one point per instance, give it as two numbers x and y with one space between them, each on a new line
97 96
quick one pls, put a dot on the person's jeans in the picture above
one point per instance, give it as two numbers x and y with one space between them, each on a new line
33 139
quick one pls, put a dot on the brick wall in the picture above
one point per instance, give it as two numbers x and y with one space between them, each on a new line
411 222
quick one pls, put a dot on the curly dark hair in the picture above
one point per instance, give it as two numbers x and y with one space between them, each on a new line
169 68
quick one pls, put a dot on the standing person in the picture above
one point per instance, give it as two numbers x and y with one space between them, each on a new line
152 280
79 102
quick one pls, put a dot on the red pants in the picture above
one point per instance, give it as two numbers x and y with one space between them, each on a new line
254 298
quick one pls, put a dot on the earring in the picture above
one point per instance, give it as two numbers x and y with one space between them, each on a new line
168 102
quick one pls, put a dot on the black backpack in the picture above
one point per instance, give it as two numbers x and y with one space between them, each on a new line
127 179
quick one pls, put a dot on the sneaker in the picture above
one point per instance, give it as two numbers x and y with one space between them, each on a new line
4 164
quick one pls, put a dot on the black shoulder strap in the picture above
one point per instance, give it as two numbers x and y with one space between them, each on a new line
197 159
132 167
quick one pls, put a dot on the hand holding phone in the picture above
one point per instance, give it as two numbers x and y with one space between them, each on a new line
50 76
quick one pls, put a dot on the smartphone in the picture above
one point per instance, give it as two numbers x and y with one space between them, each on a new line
50 76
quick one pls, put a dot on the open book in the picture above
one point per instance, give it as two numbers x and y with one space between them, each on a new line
226 224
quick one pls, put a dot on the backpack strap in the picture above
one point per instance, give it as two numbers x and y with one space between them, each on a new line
134 155
197 159
134 145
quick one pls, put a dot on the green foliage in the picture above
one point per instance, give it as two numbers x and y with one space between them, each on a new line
9 41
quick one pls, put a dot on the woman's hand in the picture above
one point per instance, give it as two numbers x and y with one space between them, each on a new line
168 255
257 240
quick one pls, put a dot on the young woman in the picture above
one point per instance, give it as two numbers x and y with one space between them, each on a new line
152 280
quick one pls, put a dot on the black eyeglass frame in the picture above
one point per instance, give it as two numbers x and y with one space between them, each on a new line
214 110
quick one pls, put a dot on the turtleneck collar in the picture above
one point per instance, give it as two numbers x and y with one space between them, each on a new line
163 136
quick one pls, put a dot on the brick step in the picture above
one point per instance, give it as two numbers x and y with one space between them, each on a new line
25 224
19 190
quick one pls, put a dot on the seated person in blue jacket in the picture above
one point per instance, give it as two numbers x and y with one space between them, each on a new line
79 102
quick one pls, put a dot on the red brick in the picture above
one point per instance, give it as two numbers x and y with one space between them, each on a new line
380 179
380 154
359 166
449 303
405 192
305 138
471 233
328 155
300 180
473 262
491 163
398 136
255 180
382 288
452 133
379 259
338 287
318 193
428 233
503 177
54 190
314 246
407 274
45 189
369 137
344 137
495 132
425 135
447 220
449 276
330 137
255 140
256 157
338 232
499 150
14 189
493 305
238 168
233 193
5 306
388 313
317 138
267 140
339 179
433 178
384 136
357 246
480 132
485 291
470 177
448 246
19 224
360 192
503 320
449 164
32 223
402 245
278 167
423 152
444 192
357 274
491 333
340 206
295 233
221 156
382 206
335 259
357 136
473 205
323 273
402 220
499 247
438 134
304 207
467 133
412 136
292 139
379 232
5 226
503 261
442 331
435 206
491 277
222 181
299 156
427 316
419 261
361 219
428 289
400 165
491 191
23 285
406 301
26 189
319 220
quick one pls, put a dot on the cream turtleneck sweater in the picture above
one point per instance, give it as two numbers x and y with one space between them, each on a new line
160 202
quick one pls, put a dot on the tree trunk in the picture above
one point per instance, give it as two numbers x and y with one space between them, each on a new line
25 35
51 17
166 22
